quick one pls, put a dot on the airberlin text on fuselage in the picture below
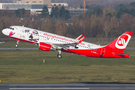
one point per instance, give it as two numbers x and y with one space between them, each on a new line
61 38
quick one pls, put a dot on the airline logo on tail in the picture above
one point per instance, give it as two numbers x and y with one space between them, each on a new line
122 41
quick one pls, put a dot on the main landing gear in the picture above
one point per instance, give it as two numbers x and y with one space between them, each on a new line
59 54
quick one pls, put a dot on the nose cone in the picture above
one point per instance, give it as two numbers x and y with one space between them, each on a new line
5 31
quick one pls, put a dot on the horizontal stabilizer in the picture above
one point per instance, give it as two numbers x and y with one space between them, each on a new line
123 55
120 54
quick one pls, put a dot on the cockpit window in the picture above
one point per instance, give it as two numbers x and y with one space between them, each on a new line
11 28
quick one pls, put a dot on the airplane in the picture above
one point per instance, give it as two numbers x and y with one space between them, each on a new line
51 42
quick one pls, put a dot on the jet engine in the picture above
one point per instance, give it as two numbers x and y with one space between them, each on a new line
45 47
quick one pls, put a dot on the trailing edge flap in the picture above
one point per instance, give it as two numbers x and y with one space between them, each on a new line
62 46
66 45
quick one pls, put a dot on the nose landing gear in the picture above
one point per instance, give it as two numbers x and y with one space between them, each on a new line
17 43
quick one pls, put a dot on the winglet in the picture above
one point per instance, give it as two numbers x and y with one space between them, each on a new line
82 39
78 38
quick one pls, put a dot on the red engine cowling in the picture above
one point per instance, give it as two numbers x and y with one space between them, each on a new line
44 46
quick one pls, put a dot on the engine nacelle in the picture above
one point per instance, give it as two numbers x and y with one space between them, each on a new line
44 46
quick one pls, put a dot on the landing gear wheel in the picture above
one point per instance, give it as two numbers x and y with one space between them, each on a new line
16 46
59 56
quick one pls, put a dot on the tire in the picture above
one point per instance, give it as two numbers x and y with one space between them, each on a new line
59 56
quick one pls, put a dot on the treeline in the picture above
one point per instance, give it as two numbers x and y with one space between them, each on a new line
97 22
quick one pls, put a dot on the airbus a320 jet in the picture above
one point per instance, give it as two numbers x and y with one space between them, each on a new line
51 42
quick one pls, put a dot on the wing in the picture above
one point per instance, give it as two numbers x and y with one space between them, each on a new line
56 46
65 46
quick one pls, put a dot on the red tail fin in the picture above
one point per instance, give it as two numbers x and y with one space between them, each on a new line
121 42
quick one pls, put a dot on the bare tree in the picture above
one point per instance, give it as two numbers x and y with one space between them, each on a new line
61 28
107 27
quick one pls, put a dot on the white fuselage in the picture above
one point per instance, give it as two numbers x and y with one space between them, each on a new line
36 36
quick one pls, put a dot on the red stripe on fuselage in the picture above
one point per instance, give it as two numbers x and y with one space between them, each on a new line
23 40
